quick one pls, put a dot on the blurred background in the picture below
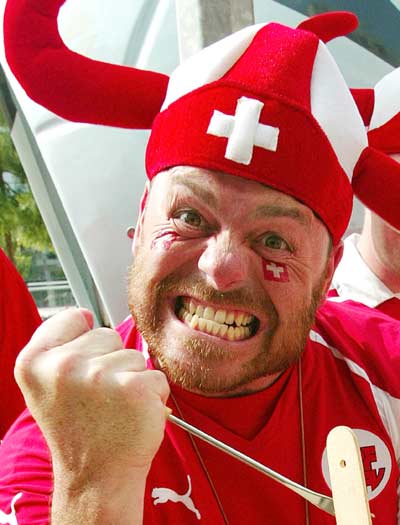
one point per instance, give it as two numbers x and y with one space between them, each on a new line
69 192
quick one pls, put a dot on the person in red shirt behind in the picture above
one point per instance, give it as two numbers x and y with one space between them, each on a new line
19 318
369 271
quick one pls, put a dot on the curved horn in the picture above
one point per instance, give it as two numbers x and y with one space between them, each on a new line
328 26
75 87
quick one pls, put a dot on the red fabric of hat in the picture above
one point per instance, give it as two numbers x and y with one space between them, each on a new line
277 69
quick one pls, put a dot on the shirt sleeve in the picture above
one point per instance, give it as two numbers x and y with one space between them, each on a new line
25 475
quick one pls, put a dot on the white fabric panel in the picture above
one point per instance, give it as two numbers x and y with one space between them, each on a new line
387 99
244 130
209 64
241 142
335 110
395 156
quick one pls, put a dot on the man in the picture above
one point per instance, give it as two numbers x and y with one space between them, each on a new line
234 251
19 318
369 271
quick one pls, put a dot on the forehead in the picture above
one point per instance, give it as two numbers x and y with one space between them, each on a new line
221 190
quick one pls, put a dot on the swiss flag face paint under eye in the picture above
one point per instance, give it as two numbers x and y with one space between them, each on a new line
275 271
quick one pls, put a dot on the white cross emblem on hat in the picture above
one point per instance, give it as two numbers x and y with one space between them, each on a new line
243 130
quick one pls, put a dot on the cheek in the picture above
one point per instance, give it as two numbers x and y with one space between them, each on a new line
273 271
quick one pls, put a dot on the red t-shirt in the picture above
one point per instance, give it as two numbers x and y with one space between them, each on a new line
19 318
350 370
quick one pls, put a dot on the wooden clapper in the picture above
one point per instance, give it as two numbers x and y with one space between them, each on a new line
347 478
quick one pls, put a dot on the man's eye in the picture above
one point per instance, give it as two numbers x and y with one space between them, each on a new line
275 242
191 218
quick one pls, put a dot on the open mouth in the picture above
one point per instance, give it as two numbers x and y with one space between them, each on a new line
233 325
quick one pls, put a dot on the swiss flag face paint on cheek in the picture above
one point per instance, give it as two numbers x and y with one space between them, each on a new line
275 271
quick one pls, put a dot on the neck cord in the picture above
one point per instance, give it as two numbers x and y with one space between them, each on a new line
303 439
303 450
203 466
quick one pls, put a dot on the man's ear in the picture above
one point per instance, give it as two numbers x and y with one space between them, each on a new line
337 254
334 259
135 233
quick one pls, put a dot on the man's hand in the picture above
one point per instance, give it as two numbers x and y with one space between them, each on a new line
101 412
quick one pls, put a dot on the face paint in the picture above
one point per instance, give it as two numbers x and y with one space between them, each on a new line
275 271
164 240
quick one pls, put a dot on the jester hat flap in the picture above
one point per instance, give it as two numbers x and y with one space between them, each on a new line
267 103
379 186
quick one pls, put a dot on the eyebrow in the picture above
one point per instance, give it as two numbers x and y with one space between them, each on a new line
264 211
267 211
197 189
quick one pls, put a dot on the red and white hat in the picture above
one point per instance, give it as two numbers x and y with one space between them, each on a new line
380 110
267 103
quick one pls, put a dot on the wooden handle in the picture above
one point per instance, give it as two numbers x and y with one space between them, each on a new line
347 478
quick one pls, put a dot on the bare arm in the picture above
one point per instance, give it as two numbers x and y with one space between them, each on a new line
102 414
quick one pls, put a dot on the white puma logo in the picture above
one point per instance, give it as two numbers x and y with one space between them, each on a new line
11 518
162 495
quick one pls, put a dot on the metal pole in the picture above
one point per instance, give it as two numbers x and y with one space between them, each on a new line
202 22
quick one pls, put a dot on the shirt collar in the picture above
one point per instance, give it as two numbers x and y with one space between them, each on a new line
355 281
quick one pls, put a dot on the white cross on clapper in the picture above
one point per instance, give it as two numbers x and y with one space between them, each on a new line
243 130
275 269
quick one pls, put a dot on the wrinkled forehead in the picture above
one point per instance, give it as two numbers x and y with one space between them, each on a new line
223 191
216 184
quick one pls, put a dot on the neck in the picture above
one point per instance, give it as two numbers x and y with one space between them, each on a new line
252 387
243 390
370 255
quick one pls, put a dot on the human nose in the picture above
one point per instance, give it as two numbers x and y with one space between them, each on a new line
224 262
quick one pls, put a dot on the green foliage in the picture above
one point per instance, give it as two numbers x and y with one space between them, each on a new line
22 231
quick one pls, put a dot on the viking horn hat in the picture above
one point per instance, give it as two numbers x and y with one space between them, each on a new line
267 103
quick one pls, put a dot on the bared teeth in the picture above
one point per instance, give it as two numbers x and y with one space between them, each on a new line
220 316
209 313
223 330
231 325
230 317
239 318
192 307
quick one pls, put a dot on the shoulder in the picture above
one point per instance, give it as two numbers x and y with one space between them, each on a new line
365 337
25 473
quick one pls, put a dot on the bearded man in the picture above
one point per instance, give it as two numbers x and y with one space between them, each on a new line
250 160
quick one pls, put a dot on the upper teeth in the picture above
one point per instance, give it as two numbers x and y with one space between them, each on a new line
219 316
216 322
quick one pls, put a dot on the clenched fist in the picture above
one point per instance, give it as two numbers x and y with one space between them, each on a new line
101 412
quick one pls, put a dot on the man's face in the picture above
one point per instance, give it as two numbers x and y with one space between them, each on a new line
226 279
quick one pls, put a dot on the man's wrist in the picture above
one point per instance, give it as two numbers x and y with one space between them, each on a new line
103 499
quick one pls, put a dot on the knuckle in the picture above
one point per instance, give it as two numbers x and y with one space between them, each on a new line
95 373
160 378
61 363
108 336
22 370
137 358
